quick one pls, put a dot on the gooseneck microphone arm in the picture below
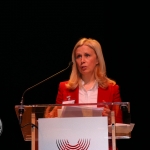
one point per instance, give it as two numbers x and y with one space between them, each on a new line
21 107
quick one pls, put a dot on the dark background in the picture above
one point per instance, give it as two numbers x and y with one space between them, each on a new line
37 38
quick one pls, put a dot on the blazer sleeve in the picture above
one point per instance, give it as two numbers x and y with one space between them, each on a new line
116 108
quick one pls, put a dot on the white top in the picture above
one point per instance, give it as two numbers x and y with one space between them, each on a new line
88 96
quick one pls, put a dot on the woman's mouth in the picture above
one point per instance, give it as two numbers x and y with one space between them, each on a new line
83 68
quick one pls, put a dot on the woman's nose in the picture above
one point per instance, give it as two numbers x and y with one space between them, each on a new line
82 59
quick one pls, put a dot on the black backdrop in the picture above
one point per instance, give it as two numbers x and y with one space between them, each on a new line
37 39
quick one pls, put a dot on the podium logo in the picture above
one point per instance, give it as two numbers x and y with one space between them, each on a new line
81 145
1 127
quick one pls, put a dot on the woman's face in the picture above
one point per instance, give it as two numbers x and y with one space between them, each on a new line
86 60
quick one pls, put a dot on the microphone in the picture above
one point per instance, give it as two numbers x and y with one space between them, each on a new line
21 107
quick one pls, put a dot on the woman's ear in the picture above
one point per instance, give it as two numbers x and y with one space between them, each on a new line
97 61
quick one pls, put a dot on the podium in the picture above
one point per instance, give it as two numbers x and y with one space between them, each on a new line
72 126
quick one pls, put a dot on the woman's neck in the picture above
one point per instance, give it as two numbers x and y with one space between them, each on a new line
88 83
88 80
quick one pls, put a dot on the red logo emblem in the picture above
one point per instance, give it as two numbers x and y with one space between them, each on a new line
82 144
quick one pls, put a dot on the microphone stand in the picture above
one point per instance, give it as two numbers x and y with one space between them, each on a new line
21 107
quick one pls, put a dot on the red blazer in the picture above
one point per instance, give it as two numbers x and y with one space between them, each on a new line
111 94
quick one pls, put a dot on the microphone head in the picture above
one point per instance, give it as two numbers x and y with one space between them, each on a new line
70 63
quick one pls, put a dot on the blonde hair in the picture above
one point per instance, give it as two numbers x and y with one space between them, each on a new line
100 69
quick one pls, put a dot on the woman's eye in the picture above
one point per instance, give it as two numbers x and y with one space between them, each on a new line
78 56
87 55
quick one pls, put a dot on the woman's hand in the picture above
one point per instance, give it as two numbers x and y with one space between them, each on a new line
51 112
107 112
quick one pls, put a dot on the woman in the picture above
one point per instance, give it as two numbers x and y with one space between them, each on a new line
88 81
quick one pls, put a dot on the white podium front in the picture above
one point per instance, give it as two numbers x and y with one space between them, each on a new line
78 133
